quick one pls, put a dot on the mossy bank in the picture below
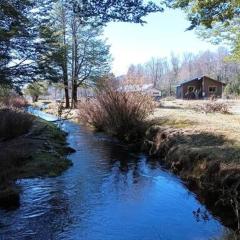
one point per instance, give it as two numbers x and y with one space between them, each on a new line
42 152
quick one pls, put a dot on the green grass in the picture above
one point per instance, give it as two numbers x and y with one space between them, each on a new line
175 123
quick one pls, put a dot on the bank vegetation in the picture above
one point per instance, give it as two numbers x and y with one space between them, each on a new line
30 147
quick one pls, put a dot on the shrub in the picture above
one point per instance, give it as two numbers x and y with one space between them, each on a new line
14 101
213 106
233 89
10 99
121 114
14 123
4 91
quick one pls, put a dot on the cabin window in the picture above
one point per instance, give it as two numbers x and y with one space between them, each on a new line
212 89
191 88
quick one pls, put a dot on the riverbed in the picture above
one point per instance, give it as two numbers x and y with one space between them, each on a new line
110 193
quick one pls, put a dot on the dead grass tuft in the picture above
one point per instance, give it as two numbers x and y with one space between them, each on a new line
212 107
119 113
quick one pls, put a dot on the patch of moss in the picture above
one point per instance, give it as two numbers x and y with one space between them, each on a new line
41 153
45 164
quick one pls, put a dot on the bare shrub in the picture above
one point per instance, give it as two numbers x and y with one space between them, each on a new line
11 99
14 123
14 101
119 113
212 107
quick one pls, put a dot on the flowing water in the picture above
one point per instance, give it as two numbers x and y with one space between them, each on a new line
108 194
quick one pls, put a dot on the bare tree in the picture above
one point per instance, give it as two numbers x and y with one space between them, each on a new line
175 65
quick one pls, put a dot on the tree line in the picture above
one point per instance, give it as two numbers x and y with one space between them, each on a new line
165 73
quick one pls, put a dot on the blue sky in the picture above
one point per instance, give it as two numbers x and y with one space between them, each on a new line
164 33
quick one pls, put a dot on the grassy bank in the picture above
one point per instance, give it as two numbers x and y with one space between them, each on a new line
204 150
41 152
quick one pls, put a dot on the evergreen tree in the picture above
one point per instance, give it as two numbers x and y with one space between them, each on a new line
207 12
15 40
114 10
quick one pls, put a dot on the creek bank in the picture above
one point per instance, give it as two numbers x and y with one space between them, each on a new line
42 152
57 108
209 167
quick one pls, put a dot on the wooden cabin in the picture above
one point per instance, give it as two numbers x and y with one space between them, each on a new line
200 88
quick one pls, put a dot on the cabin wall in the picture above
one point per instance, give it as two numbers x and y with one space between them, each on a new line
202 86
207 82
195 83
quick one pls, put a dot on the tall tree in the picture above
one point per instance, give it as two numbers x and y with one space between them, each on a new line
218 20
157 69
54 48
227 33
175 66
207 12
16 37
115 10
90 57
64 59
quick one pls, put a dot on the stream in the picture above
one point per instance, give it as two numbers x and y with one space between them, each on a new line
109 193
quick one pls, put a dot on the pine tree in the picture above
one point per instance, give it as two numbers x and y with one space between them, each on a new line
15 40
207 12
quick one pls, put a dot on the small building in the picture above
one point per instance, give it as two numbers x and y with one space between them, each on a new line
145 88
155 93
200 88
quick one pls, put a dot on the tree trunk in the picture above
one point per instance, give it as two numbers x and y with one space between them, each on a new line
74 63
65 83
35 98
74 95
65 58
67 103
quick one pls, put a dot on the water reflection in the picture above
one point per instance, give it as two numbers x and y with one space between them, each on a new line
109 193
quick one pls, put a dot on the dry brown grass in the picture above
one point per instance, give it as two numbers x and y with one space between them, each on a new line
203 149
13 101
213 107
119 113
181 114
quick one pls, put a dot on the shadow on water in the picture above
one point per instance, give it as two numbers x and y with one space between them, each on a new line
109 193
